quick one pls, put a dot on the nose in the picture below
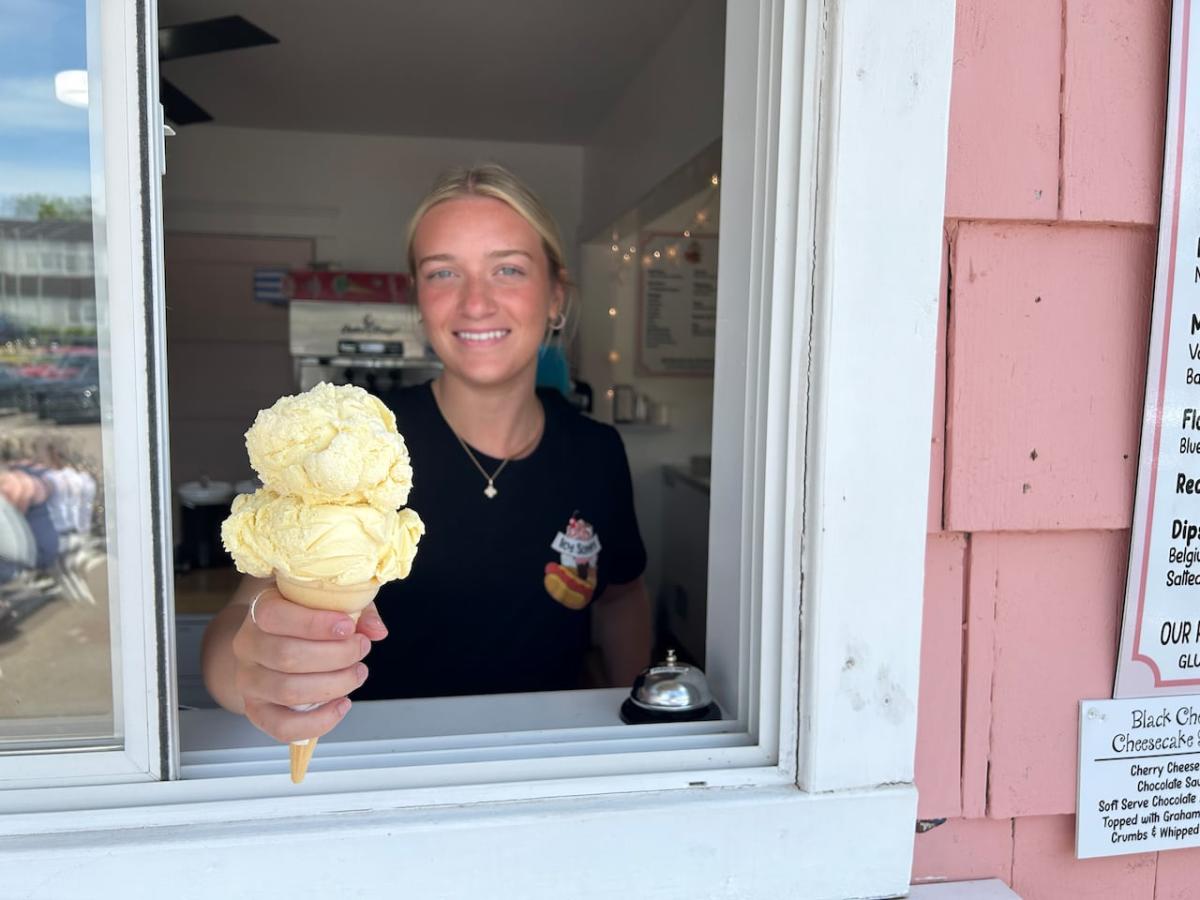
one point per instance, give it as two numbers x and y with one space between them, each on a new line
475 301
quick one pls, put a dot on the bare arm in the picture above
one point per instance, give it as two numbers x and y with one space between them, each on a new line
621 628
217 661
289 656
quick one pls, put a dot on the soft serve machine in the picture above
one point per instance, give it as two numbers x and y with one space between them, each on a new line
377 346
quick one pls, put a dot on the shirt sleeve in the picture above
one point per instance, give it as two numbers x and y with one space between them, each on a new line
622 555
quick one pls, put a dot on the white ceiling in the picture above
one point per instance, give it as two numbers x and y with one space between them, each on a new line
544 71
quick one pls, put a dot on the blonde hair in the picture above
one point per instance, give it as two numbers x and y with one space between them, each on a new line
495 181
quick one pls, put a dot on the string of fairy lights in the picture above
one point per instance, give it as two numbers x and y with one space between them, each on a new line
624 252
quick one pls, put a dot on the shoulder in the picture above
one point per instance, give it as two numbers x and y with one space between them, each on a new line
584 433
406 399
413 406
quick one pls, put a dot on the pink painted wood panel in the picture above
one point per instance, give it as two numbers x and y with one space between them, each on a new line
983 560
1004 110
937 446
1114 108
1178 876
1045 868
939 704
1048 335
1058 603
964 850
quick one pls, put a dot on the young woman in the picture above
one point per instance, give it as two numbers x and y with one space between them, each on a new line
532 551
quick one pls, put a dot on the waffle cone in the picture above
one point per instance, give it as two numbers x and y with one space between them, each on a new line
350 599
301 752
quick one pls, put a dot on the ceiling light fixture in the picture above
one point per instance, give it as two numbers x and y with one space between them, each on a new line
71 88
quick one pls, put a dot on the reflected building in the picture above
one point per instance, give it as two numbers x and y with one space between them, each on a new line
47 278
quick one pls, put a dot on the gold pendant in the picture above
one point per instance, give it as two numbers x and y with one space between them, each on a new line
490 491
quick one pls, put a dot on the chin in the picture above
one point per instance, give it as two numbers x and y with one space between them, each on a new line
488 375
487 369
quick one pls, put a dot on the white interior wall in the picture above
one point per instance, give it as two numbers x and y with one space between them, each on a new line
669 113
353 193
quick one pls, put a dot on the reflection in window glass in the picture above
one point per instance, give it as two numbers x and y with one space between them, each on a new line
648 337
56 683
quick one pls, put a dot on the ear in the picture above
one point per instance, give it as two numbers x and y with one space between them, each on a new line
558 296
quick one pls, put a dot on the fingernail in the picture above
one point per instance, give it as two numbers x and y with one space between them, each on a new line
364 645
360 672
342 706
342 628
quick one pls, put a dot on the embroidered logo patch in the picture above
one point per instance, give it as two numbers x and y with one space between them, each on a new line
572 580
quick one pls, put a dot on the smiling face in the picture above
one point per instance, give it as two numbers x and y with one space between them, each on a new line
484 289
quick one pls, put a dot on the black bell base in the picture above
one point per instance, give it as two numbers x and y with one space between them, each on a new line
632 714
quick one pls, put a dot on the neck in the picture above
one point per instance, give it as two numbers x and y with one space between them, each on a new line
504 421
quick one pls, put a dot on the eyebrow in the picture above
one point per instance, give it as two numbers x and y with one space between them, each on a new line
449 257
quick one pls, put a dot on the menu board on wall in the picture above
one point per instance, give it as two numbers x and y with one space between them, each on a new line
1160 635
1139 776
677 304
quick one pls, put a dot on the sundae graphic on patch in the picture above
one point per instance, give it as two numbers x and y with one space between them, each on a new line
572 580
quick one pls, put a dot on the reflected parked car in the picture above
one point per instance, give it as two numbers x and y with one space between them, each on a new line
12 389
70 400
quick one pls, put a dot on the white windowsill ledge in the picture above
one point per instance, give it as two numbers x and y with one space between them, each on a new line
756 843
987 889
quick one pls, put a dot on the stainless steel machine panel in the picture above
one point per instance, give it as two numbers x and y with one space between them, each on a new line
380 331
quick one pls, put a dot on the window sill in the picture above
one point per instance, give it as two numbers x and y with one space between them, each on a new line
763 842
439 731
987 889
412 753
215 729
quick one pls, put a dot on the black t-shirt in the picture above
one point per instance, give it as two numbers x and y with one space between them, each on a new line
500 592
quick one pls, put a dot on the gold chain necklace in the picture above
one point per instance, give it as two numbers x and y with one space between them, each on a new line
490 491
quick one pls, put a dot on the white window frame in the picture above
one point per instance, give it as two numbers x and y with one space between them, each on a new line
845 161
133 431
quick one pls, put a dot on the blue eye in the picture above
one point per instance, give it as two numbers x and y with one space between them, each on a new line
510 270
438 273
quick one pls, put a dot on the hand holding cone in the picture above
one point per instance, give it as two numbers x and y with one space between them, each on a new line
352 600
333 468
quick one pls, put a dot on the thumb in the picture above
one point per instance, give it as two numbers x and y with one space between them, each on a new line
370 624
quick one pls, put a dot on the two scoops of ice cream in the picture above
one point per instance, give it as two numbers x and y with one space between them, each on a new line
326 523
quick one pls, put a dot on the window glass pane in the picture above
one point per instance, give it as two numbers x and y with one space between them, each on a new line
647 336
56 645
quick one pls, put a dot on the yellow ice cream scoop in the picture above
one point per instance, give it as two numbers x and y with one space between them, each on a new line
332 444
322 542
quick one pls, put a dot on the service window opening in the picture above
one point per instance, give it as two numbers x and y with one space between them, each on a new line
306 135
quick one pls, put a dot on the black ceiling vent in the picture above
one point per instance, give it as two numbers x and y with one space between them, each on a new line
197 39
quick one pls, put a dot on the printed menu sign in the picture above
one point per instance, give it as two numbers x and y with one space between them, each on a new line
1160 635
1139 776
677 323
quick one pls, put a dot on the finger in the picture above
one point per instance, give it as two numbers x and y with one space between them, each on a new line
370 624
283 689
298 656
275 614
286 725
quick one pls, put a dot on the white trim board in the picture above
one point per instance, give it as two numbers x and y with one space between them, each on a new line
728 842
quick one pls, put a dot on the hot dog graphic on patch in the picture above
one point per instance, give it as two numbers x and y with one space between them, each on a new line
572 580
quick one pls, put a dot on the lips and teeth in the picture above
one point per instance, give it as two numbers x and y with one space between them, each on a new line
482 335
